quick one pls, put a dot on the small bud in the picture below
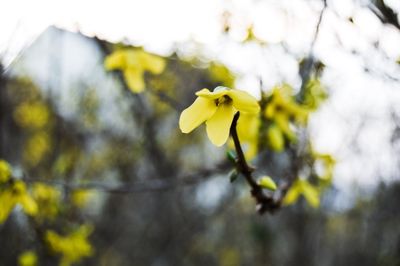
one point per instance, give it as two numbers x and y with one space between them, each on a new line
233 175
231 155
267 183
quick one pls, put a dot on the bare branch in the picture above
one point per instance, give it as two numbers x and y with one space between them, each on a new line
305 69
264 202
385 14
152 185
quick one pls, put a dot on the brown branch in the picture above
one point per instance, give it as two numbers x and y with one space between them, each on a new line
306 67
264 203
152 185
384 13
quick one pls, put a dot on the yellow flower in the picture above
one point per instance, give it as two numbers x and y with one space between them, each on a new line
217 108
72 247
5 171
48 198
81 197
248 131
28 258
133 63
284 112
302 187
32 115
16 194
37 147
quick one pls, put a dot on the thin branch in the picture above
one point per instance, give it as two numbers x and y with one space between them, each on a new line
264 203
384 13
153 185
321 14
305 70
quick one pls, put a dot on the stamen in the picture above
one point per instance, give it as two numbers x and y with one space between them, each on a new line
223 100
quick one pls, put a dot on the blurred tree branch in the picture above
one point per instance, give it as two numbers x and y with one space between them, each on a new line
385 14
264 202
308 63
152 185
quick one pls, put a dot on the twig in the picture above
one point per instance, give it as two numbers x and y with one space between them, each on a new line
384 13
153 185
264 202
305 71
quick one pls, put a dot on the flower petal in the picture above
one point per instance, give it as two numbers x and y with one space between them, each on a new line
219 124
116 60
134 79
205 93
243 101
197 113
152 63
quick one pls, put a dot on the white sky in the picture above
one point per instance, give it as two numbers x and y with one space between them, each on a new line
161 25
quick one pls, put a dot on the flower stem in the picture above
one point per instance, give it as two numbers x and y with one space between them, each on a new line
264 202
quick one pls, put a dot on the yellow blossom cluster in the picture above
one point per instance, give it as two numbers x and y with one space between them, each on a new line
28 258
14 194
301 187
32 114
81 197
133 63
5 171
72 247
281 111
48 200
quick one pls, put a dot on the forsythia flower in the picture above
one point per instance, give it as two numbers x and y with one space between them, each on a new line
248 127
28 258
48 198
32 115
302 187
217 108
73 247
16 194
81 197
5 171
133 63
281 110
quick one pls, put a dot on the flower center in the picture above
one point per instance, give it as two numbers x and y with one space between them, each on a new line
223 100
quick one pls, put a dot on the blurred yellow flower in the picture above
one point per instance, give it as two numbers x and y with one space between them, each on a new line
5 171
217 108
48 198
28 258
81 197
302 187
37 147
282 110
133 63
248 131
73 247
32 115
13 195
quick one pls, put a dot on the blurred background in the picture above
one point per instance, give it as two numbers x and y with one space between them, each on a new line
94 169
